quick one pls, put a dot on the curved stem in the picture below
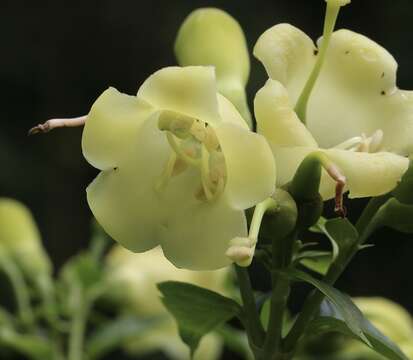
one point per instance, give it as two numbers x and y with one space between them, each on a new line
20 290
329 23
254 328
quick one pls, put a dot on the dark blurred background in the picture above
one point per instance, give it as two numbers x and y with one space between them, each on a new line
57 56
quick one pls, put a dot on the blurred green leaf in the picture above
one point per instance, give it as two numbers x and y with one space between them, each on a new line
349 312
34 347
197 311
330 320
116 333
393 214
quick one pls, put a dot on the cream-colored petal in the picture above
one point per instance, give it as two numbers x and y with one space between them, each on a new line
276 119
367 174
249 164
229 113
287 54
192 233
123 199
111 127
196 234
190 90
357 93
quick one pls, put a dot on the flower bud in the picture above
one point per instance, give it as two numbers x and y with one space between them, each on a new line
20 239
280 222
210 36
304 188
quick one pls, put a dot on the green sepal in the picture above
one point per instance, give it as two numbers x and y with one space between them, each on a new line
281 221
196 310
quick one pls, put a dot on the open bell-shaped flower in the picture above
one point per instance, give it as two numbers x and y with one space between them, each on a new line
355 111
179 166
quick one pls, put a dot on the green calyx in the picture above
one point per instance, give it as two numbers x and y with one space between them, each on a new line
304 188
280 221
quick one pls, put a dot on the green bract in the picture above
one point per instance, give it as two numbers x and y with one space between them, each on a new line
20 239
179 166
355 111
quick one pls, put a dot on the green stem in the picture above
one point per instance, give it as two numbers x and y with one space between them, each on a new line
329 23
315 299
20 290
253 324
281 257
78 326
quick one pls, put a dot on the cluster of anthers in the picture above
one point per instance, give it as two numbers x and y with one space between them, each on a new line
193 143
363 143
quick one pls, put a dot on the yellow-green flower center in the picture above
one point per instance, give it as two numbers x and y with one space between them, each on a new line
193 143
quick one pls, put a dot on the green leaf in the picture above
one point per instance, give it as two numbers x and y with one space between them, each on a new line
404 190
330 320
341 233
117 332
197 311
349 312
319 264
34 347
393 214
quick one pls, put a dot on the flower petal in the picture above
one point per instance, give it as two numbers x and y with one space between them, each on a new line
359 77
190 90
356 91
111 126
367 174
287 54
249 164
229 113
197 234
123 199
276 119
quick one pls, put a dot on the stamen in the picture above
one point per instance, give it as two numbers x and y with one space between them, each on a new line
350 143
176 147
58 123
376 140
177 123
333 8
